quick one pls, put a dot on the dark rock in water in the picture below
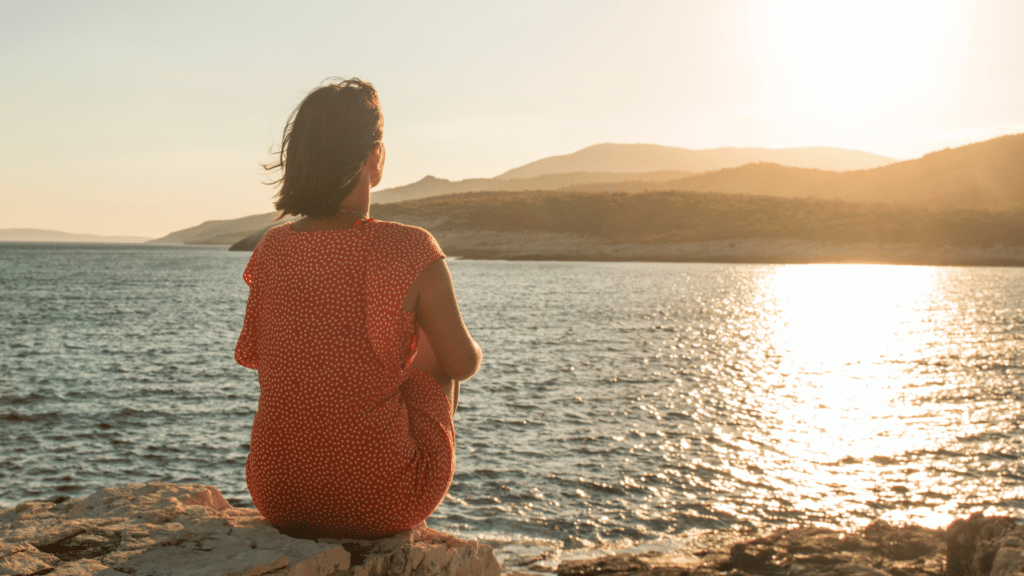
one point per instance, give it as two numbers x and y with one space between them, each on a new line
648 564
248 244
981 546
978 546
880 549
758 557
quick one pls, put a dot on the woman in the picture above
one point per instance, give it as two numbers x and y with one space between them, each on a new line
354 328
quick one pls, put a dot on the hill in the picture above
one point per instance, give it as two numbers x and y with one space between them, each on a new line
431 186
652 157
984 176
987 175
707 226
38 235
661 217
763 179
603 164
223 231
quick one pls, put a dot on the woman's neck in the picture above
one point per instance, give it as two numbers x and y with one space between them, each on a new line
351 211
355 207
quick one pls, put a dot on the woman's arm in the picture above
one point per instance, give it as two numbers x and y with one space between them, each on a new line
432 298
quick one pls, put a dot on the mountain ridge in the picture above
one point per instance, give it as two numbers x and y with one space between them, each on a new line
41 235
638 157
982 176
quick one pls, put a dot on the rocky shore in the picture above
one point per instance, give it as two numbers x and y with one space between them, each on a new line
978 546
162 529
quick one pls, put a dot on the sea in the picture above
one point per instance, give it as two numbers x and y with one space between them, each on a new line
620 406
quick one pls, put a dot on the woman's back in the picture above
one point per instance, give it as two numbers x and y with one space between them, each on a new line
348 440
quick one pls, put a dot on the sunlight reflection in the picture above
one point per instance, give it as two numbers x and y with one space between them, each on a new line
848 403
832 314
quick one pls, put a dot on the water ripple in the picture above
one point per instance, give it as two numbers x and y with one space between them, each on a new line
618 403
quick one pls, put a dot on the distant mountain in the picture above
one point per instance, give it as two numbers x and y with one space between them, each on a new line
984 176
431 186
987 175
223 231
37 235
652 157
764 179
596 166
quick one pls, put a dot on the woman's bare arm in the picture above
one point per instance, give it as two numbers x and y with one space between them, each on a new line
432 298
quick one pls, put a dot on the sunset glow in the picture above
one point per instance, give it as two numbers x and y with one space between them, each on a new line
847 62
167 110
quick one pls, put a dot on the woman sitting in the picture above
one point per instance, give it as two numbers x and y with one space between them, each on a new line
356 334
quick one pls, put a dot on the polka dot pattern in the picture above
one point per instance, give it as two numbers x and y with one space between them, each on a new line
348 441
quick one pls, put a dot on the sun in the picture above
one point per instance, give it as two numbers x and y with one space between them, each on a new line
849 61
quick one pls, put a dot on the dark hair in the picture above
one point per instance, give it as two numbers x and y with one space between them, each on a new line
326 142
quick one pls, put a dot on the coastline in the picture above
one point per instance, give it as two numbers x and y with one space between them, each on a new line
558 246
499 245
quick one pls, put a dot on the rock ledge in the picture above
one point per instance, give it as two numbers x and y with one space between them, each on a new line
171 529
978 546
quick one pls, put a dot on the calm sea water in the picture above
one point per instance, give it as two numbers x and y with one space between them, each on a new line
619 404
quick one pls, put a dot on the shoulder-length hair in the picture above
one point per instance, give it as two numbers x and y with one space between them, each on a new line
326 142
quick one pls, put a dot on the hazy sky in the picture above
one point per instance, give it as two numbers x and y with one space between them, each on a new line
144 118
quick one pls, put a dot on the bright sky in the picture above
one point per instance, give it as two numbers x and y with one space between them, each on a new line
144 118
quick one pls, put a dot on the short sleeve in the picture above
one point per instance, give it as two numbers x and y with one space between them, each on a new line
397 256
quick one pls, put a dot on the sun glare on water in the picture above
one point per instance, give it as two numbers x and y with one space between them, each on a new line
846 405
842 314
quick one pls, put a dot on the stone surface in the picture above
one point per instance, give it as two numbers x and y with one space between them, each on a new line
978 546
170 529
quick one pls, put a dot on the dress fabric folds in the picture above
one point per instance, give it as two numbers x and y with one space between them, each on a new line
348 441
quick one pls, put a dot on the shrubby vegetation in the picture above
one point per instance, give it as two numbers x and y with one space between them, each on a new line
670 217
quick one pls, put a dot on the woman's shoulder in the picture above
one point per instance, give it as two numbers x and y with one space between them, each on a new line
399 232
272 236
397 240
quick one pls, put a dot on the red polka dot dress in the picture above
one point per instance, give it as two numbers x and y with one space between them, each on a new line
348 441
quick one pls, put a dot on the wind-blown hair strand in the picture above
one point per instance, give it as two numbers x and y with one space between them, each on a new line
325 144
